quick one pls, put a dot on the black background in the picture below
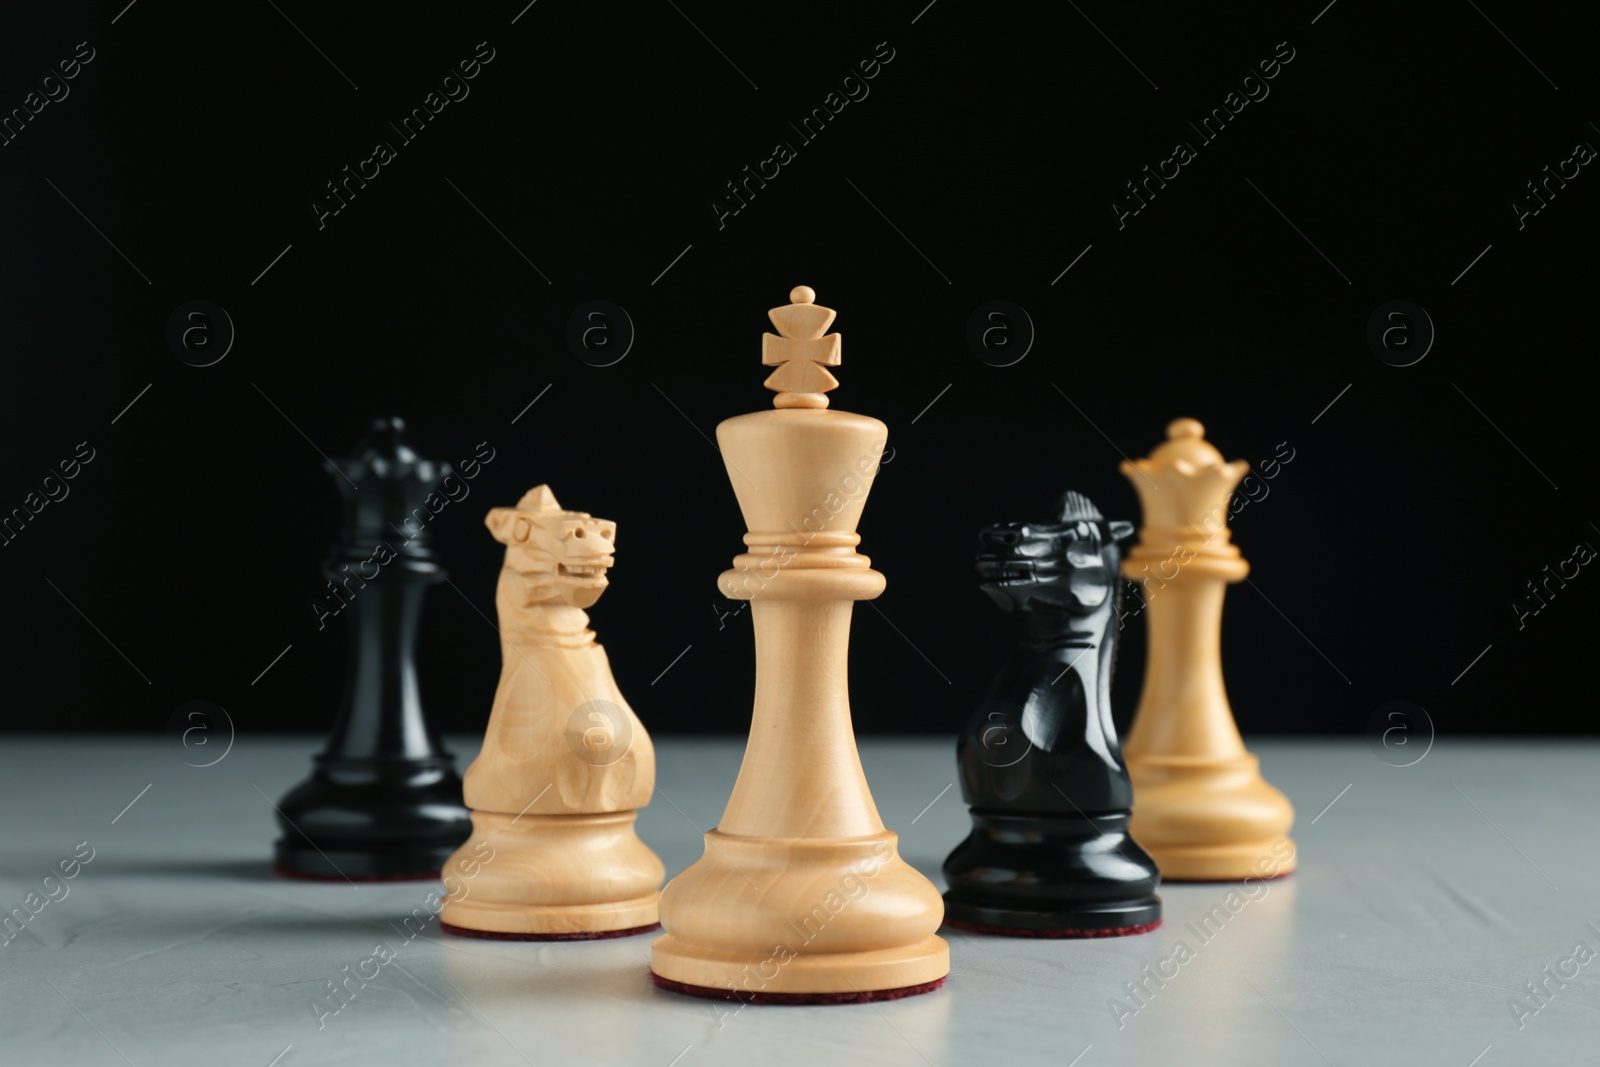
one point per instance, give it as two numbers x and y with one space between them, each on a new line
979 167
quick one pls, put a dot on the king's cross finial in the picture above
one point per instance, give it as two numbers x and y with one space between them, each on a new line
803 353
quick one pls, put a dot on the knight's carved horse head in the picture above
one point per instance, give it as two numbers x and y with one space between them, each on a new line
1068 564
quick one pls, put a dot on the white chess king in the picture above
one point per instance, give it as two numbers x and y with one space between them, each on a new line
801 894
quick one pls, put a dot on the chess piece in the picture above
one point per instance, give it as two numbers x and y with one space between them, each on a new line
383 801
553 854
801 895
1201 807
1049 854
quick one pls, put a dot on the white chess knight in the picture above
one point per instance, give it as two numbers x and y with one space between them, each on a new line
801 893
565 761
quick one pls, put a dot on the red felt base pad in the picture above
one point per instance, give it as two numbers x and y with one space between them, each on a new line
301 876
498 935
746 997
1009 931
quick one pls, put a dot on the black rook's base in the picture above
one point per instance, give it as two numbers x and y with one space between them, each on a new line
380 820
1051 876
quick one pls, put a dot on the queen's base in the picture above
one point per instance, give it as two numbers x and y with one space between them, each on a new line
1227 863
1208 819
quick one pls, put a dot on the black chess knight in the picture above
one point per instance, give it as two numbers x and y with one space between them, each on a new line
383 800
1049 854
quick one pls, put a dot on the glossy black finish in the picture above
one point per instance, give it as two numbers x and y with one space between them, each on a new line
1049 853
384 798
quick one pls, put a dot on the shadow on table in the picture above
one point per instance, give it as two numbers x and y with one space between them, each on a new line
235 870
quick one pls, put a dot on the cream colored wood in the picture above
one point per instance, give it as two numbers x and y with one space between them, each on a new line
553 874
1200 807
565 761
801 888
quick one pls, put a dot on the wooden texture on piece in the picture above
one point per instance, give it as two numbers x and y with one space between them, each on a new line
564 761
801 889
1201 807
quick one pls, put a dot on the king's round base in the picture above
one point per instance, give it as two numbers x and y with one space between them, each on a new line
552 877
744 975
793 915
712 993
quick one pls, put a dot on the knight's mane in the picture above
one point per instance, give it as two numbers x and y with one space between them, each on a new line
1075 507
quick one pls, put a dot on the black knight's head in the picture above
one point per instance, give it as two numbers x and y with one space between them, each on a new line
1067 564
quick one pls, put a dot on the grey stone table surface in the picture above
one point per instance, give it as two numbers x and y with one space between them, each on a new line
1428 898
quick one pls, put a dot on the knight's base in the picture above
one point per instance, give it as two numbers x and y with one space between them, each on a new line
984 918
495 935
551 922
539 877
1051 875
854 997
